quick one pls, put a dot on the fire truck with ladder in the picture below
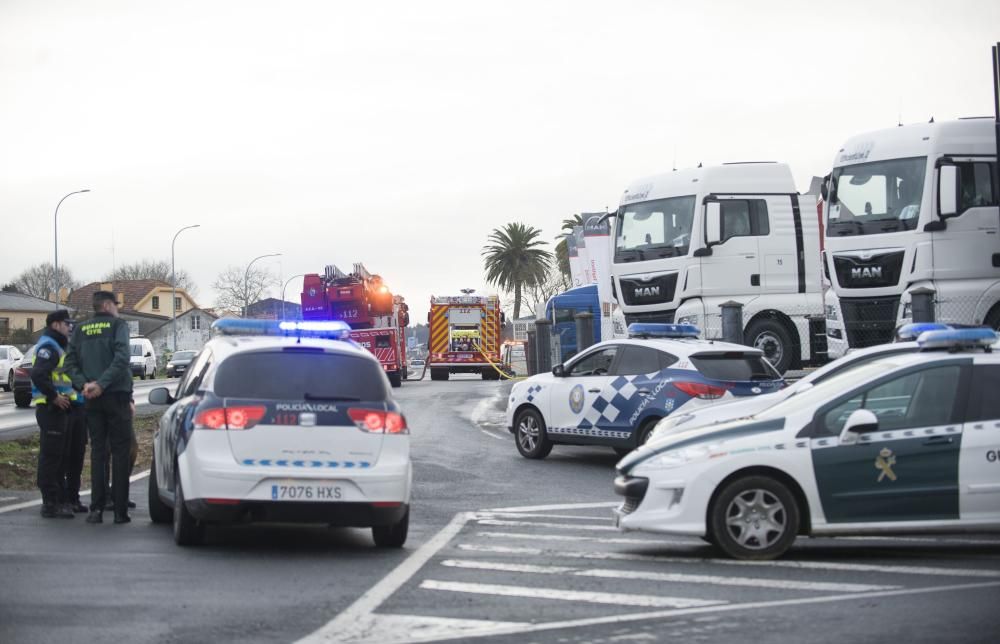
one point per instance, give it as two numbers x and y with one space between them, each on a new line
377 317
464 335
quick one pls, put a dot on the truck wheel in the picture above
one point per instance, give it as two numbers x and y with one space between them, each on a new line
159 512
771 337
394 379
529 435
439 374
754 517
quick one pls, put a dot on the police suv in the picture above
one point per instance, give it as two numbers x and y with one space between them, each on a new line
320 440
616 391
905 443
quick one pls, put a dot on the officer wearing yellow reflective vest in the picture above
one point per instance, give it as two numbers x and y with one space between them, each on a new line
52 392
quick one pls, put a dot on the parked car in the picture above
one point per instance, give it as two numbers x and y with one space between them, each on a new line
9 356
143 358
179 362
22 380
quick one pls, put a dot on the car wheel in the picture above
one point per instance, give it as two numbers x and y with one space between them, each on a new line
392 536
530 436
187 530
770 336
152 374
22 399
755 517
10 381
646 431
159 512
142 375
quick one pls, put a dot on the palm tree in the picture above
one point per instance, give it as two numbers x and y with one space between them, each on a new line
562 250
514 260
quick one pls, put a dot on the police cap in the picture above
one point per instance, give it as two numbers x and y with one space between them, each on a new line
59 315
104 296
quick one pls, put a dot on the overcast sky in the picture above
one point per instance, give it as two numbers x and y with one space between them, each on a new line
401 134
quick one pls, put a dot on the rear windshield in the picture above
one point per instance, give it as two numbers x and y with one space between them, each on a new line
734 366
137 349
183 355
300 374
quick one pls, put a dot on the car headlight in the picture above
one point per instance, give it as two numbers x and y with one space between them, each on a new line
688 319
679 457
831 312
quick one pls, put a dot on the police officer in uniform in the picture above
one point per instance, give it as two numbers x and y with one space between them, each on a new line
75 455
52 392
98 363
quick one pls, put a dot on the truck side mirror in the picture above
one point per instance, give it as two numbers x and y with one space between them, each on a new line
713 223
947 191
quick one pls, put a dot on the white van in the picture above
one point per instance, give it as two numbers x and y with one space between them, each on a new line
142 358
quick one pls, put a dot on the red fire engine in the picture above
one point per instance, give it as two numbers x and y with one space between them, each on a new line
377 317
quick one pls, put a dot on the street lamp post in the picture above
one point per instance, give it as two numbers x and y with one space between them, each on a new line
246 279
173 284
55 229
283 292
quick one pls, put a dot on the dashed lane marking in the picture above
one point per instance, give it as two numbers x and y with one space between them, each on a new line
560 594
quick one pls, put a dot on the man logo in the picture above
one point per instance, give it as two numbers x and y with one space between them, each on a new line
576 399
866 273
646 291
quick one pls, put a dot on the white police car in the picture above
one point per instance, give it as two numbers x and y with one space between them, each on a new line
320 440
904 443
614 392
743 407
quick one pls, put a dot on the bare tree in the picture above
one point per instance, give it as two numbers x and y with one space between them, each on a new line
238 288
556 282
149 269
38 280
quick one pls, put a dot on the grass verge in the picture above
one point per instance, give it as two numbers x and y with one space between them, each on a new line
19 458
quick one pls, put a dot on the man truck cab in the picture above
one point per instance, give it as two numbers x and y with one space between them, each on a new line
907 208
688 241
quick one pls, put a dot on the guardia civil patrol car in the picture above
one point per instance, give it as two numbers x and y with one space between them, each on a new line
319 440
905 443
616 391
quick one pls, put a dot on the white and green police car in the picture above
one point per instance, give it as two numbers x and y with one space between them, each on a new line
906 443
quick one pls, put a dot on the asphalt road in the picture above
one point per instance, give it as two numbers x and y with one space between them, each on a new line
501 549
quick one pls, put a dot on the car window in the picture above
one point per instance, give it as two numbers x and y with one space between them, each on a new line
733 365
638 360
195 374
984 403
916 399
3 354
297 374
597 363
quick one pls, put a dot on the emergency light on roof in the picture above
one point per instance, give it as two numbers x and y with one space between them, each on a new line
654 330
955 339
329 329
910 332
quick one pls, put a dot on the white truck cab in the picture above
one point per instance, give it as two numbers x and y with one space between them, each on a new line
688 241
906 208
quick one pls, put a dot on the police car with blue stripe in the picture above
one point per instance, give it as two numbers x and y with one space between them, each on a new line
904 443
615 392
320 440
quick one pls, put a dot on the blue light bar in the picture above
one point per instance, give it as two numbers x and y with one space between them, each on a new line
655 330
329 329
910 332
958 339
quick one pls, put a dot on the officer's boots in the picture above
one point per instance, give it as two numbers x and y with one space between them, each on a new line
52 510
95 516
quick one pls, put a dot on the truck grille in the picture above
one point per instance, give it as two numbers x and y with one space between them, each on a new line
869 320
663 317
658 290
876 272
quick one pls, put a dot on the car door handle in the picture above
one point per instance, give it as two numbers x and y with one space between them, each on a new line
594 391
939 440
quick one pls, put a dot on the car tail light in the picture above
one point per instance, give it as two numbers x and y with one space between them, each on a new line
701 390
377 421
239 417
22 372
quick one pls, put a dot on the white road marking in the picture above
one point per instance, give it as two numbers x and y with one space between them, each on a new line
401 629
543 524
945 540
560 594
38 502
547 508
518 515
557 537
492 435
781 563
678 578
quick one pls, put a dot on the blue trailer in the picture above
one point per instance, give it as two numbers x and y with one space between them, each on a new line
561 310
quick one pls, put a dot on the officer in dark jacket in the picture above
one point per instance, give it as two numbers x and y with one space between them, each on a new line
98 363
52 392
75 456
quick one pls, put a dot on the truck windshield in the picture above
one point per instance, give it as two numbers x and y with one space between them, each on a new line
654 229
876 198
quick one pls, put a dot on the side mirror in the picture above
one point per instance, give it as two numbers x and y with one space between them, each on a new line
713 223
861 421
559 371
160 396
149 354
947 191
824 188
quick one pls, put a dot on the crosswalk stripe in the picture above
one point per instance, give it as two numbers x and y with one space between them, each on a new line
541 524
560 594
781 563
582 538
679 578
518 515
